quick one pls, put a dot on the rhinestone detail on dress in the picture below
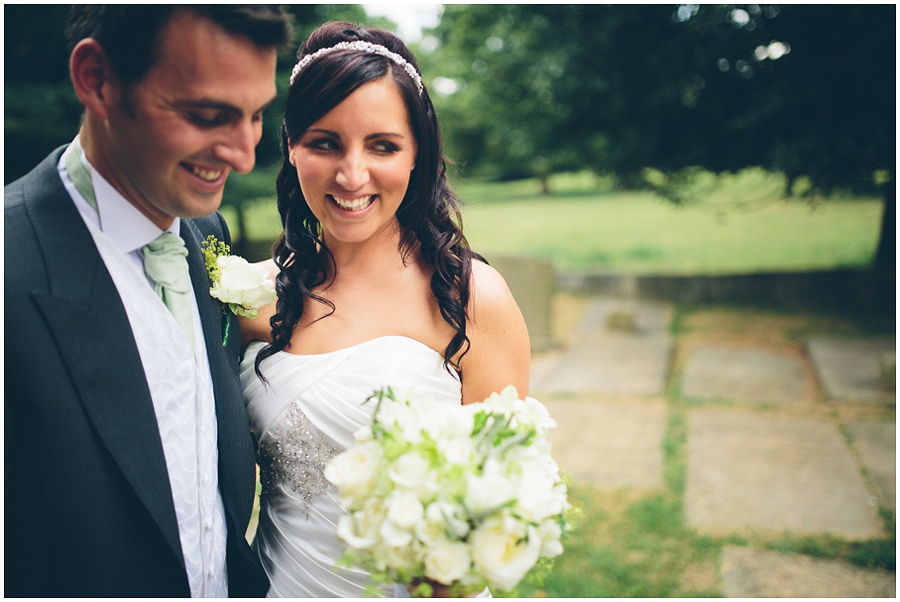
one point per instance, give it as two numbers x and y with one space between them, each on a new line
295 452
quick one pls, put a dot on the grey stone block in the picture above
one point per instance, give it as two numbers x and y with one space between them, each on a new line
746 374
773 473
749 573
850 369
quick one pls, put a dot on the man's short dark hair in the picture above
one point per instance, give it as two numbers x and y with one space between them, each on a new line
129 33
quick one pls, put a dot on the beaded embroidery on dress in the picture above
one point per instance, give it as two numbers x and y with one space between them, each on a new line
308 413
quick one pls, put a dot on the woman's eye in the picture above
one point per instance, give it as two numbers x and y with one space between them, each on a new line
322 144
386 147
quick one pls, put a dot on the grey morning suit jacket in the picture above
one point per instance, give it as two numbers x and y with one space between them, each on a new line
89 509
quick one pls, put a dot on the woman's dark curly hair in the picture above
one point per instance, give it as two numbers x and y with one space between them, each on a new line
428 214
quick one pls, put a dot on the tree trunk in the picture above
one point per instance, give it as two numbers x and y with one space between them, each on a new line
884 267
544 178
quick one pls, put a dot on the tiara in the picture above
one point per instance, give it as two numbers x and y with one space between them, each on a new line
364 47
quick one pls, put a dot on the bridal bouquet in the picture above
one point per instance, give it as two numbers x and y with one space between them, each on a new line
462 496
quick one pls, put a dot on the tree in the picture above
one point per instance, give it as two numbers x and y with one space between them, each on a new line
803 90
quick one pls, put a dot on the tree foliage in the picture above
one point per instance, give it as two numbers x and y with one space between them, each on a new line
805 90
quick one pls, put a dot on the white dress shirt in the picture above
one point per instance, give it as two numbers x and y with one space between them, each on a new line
179 380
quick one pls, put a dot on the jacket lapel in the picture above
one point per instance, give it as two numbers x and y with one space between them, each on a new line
84 313
237 475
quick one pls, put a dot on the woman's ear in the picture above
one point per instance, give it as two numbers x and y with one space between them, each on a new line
91 75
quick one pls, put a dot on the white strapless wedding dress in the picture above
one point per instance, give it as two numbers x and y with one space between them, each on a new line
304 417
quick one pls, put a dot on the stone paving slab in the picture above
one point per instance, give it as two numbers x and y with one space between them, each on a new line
605 316
617 365
746 374
850 369
768 472
749 573
876 443
610 444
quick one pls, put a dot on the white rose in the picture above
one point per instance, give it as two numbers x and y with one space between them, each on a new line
504 550
431 533
447 562
242 285
354 471
404 509
399 558
490 490
409 470
393 535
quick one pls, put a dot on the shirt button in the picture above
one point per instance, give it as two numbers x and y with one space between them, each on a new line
207 524
204 478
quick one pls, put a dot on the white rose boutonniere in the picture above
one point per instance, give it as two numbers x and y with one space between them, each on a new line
241 286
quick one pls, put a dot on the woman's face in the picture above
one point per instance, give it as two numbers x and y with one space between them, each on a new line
354 163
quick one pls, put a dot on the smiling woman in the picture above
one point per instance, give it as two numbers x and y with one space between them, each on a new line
354 164
376 288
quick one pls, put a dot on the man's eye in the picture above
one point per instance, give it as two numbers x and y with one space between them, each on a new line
208 120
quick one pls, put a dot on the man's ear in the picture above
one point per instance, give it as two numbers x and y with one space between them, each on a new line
91 76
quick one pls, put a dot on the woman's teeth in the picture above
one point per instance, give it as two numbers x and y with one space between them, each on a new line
353 204
210 175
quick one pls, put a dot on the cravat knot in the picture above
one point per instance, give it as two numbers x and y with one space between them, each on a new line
165 263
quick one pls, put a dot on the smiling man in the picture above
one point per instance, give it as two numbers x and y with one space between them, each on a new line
129 467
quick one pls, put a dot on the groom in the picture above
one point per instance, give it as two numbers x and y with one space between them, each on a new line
129 466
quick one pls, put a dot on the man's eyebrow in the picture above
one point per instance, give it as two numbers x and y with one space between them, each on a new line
218 105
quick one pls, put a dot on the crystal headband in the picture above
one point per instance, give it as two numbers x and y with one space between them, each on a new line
364 47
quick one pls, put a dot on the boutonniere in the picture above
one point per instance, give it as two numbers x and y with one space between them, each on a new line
241 286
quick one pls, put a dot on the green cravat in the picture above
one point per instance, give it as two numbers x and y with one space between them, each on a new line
166 265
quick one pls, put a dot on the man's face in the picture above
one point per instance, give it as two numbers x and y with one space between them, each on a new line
173 138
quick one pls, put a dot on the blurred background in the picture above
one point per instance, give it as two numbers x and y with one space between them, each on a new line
734 163
665 140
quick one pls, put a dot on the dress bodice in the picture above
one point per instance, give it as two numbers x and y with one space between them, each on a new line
302 417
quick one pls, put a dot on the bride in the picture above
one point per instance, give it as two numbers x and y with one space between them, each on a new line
376 287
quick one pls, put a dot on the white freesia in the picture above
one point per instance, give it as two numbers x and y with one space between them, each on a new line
550 533
504 549
490 490
537 498
447 562
360 529
536 413
457 450
245 287
451 515
468 496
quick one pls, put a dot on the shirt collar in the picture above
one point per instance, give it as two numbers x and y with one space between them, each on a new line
121 222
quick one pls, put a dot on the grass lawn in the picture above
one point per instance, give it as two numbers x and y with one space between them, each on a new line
742 228
740 225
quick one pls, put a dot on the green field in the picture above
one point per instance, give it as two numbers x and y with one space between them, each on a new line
740 225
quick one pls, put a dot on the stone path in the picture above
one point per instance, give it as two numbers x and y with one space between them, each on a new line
748 573
765 453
